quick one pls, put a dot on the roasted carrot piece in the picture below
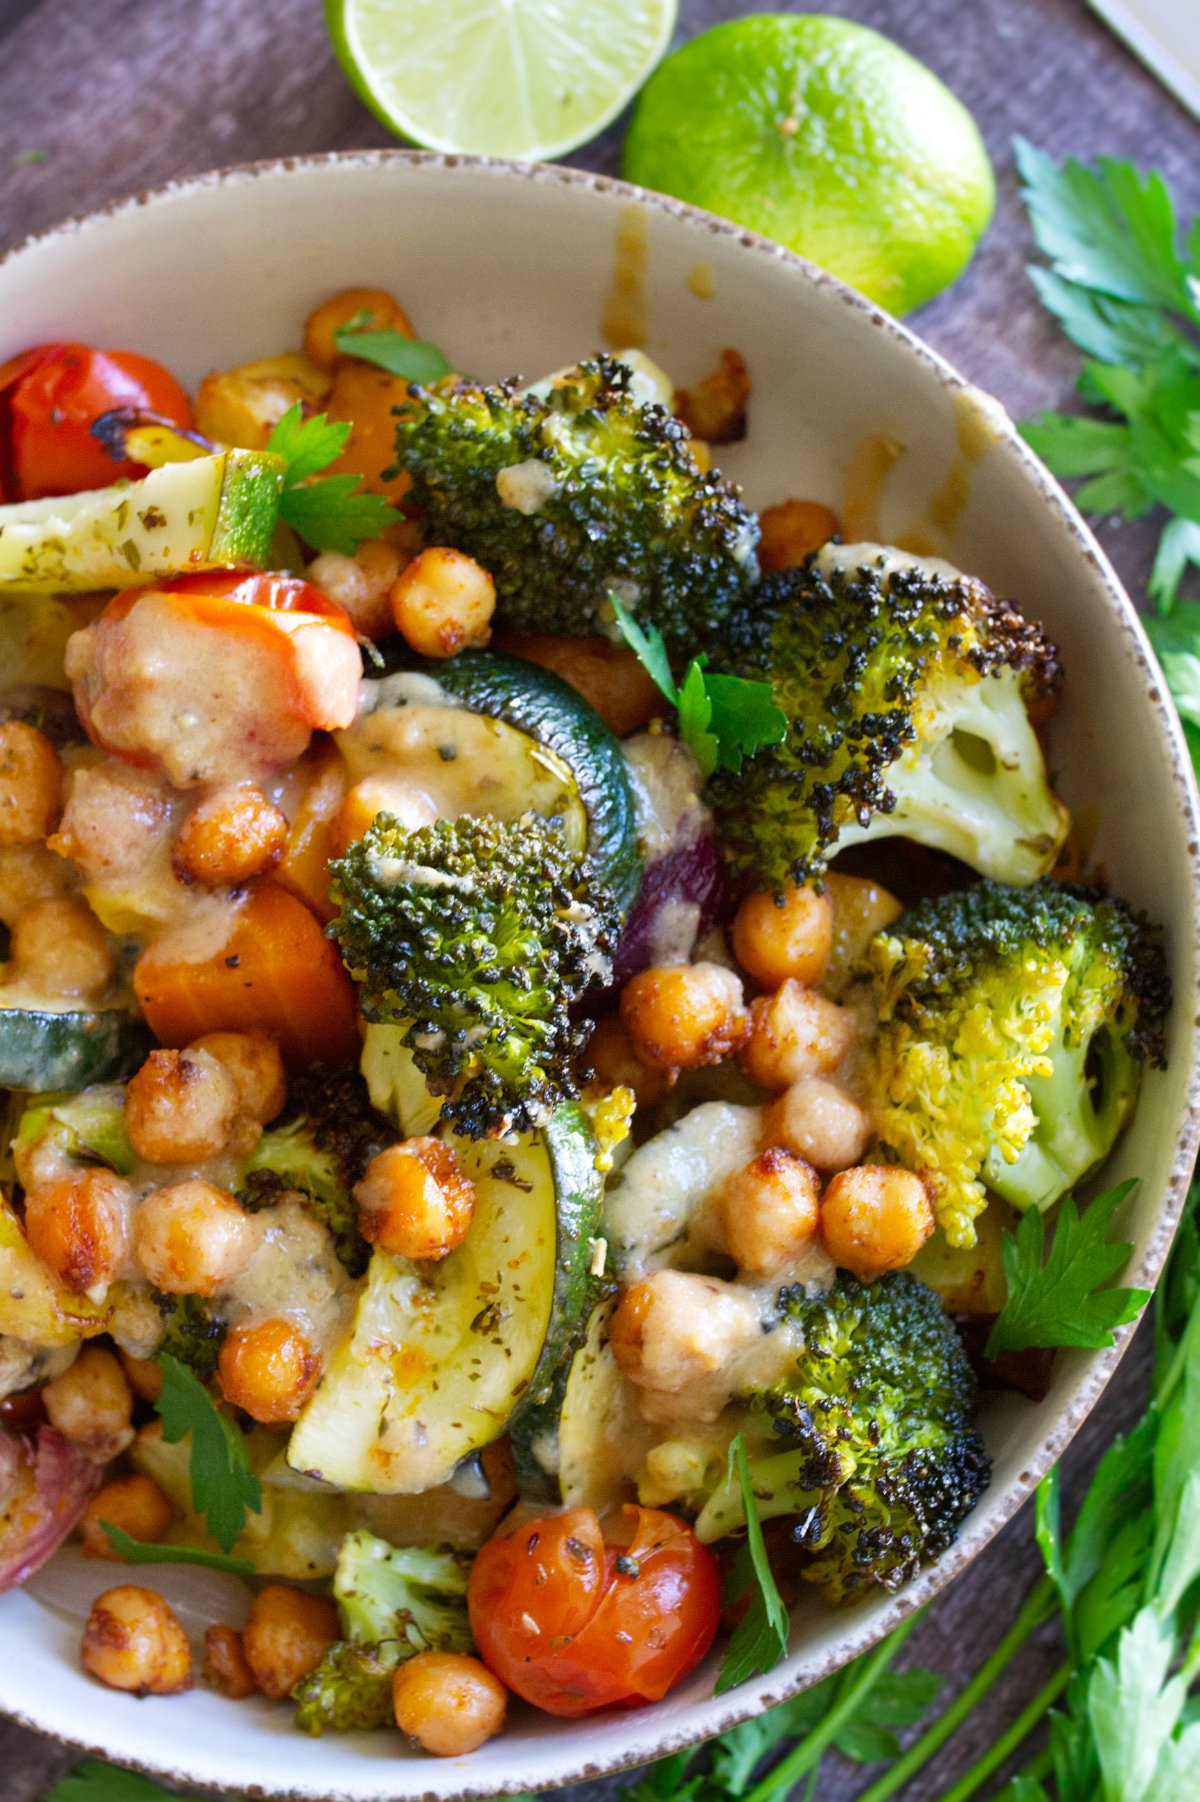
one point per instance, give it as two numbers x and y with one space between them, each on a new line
304 869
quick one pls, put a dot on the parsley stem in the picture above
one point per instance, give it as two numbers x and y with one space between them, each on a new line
864 1674
1038 1605
1008 1742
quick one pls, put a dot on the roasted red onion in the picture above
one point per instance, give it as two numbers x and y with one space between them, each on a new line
44 1487
684 892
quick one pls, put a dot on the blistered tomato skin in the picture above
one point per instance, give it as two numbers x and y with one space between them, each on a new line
574 1618
50 397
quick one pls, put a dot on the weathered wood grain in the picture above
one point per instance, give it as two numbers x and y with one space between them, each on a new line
119 95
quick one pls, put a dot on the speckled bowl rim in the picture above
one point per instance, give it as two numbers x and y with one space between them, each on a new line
797 1672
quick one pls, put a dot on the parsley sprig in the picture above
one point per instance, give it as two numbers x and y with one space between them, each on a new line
722 719
224 1487
413 359
760 1638
1064 1299
330 513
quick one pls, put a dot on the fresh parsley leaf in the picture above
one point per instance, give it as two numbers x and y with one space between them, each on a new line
94 1781
332 513
1134 1705
139 1551
744 717
760 1638
695 718
224 1488
737 1754
899 1699
647 645
414 359
1099 1568
1059 1299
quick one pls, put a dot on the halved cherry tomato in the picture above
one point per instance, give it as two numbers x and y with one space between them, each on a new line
575 1617
51 395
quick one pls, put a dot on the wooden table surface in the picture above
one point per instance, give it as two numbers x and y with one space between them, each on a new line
102 97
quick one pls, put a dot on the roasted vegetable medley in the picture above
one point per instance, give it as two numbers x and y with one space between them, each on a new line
535 997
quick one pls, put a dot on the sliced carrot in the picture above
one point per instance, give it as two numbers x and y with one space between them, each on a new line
275 972
304 869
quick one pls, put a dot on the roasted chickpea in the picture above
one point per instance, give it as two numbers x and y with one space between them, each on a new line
793 1033
768 1211
133 1641
192 1238
134 1503
31 873
861 908
673 1328
680 1016
60 948
286 1637
228 838
225 1666
447 1702
443 603
180 1107
255 1063
819 1121
79 1226
31 781
875 1217
774 938
268 1370
416 1200
92 1404
361 585
617 1065
144 1376
791 529
377 309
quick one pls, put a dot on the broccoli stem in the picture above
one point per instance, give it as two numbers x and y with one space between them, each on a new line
1072 1134
997 1754
1038 1606
774 1482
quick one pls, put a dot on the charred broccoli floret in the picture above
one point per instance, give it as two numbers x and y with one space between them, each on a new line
394 1601
192 1332
328 1135
881 1461
476 937
572 491
1013 1027
907 688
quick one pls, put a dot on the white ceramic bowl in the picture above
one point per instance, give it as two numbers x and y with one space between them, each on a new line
511 269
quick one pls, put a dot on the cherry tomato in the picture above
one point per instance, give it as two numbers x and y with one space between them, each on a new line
574 1618
50 397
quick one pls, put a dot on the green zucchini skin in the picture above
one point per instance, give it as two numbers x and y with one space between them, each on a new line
44 1049
579 1195
548 710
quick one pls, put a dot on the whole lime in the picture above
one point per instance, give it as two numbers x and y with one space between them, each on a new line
827 137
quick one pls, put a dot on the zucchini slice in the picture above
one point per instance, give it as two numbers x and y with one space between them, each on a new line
560 737
211 513
56 1044
439 1355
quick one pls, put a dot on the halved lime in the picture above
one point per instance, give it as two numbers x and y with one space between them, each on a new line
827 137
521 78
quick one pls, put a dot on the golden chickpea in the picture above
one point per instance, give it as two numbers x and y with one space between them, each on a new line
680 1016
791 529
611 1054
225 1666
133 1641
255 1063
875 1217
79 1226
361 585
134 1503
443 603
774 938
416 1200
447 1702
92 1404
382 313
31 873
31 780
268 1370
286 1637
228 838
795 1032
60 948
673 1328
819 1121
375 795
180 1107
192 1238
143 1375
768 1211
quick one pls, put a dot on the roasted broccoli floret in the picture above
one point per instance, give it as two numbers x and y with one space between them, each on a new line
1013 1027
394 1601
192 1332
907 689
578 489
477 937
881 1462
328 1135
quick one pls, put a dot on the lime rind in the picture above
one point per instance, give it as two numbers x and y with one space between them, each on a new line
529 79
